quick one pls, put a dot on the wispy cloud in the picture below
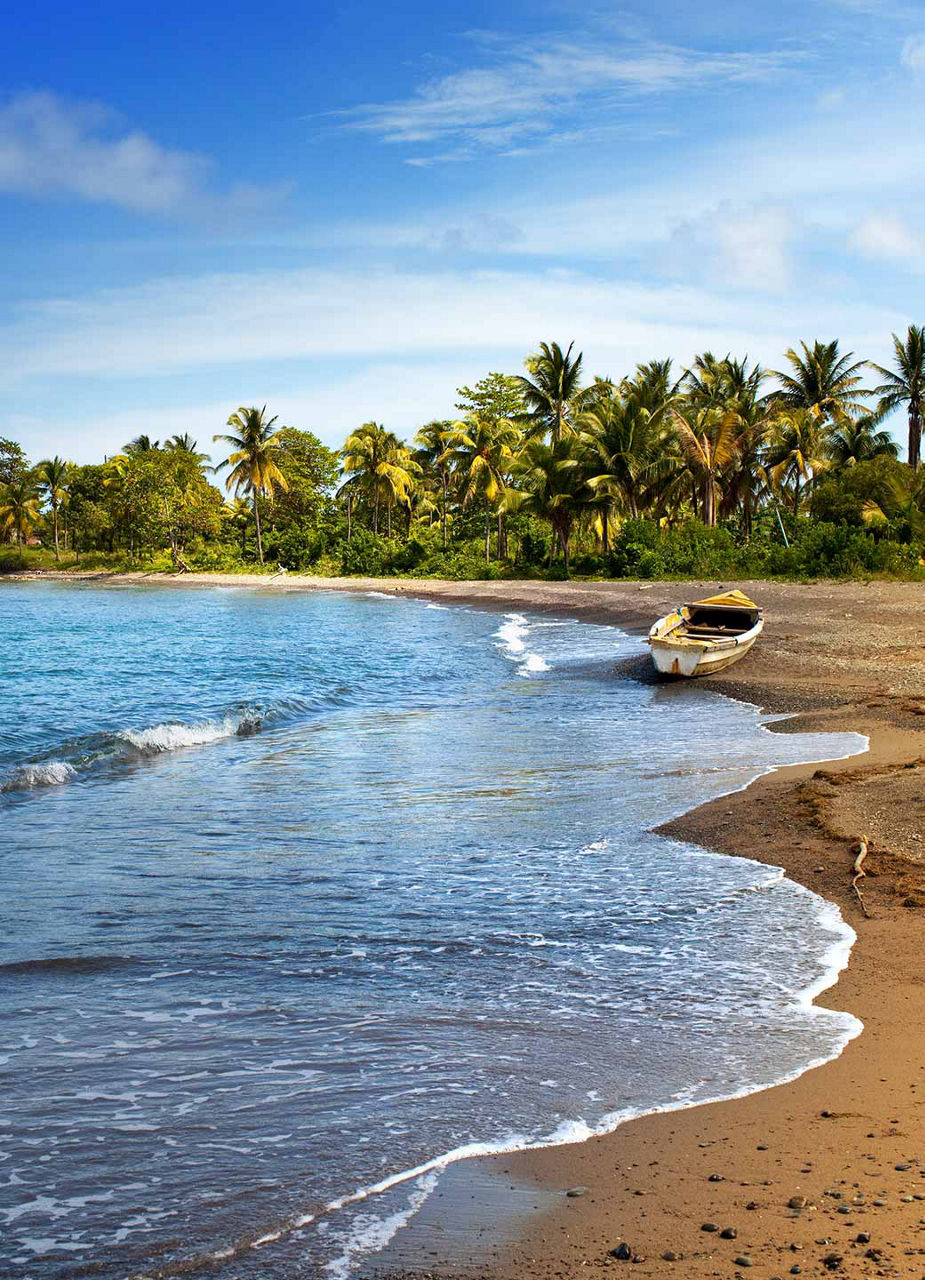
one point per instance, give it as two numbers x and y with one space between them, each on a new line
52 146
889 238
523 92
913 53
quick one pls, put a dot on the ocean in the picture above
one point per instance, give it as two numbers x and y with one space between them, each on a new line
304 895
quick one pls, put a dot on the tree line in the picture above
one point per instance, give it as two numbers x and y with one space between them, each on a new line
533 467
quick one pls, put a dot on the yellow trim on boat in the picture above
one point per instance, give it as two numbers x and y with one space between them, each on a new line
728 599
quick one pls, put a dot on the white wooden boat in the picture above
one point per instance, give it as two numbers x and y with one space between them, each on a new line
705 636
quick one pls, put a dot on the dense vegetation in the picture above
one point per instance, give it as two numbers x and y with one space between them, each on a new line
727 470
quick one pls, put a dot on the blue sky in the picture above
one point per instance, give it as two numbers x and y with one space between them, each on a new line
346 211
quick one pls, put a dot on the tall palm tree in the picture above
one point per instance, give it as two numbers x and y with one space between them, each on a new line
552 390
858 440
709 439
431 442
187 446
905 385
550 481
796 451
822 381
480 453
254 445
142 444
19 510
625 438
380 466
52 475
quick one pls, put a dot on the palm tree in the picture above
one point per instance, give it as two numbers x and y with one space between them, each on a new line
254 443
709 439
553 389
238 513
906 385
19 510
823 382
142 444
480 453
52 475
625 437
431 441
189 447
900 502
858 440
796 451
551 482
377 463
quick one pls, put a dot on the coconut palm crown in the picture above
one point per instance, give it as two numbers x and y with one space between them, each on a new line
254 443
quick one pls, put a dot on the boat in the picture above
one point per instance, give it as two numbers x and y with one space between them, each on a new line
706 635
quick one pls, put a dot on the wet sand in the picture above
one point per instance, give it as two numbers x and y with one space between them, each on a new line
824 1174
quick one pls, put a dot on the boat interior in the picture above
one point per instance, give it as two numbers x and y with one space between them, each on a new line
716 622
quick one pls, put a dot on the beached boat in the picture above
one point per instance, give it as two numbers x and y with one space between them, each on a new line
705 636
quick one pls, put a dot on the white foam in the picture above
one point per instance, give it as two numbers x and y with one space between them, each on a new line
173 737
53 773
532 664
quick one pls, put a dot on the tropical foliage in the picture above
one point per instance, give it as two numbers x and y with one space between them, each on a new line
720 468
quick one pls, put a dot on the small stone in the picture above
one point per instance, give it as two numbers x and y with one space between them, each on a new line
907 1199
742 1261
832 1260
901 1168
709 1226
716 1177
669 1256
752 1204
728 1233
826 1115
796 1202
761 1147
862 1237
623 1253
879 1203
795 1269
875 1255
575 1192
843 1208
818 870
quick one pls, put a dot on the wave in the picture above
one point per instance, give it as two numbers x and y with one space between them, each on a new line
513 634
102 750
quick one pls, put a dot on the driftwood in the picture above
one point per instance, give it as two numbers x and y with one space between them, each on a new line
860 873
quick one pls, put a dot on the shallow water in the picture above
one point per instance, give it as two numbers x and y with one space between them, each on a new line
300 892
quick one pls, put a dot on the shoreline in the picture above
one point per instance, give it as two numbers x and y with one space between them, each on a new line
862 677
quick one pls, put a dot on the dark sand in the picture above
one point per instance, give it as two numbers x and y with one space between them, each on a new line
804 1172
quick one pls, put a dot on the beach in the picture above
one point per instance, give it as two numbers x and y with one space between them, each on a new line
826 1172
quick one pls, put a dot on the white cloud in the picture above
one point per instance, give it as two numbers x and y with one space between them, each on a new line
53 146
888 237
913 53
523 92
745 247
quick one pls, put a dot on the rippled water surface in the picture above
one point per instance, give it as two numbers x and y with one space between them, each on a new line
299 893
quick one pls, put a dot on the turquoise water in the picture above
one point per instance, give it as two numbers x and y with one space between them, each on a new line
300 893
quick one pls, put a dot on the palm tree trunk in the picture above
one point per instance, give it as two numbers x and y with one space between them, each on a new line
915 438
443 513
487 536
349 521
388 517
54 512
605 531
709 509
257 522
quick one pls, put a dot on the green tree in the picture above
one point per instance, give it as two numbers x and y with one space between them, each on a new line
431 455
858 440
709 439
13 461
904 384
19 511
497 396
480 453
378 467
550 481
796 451
52 476
552 393
253 460
823 382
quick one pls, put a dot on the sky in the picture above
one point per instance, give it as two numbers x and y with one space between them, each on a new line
346 211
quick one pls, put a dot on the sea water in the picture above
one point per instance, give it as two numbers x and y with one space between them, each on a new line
304 895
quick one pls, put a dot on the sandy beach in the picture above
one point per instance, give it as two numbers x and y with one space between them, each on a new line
826 1173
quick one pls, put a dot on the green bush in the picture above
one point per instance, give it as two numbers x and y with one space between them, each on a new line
365 555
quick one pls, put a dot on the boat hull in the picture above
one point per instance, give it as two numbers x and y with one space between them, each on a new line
692 660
